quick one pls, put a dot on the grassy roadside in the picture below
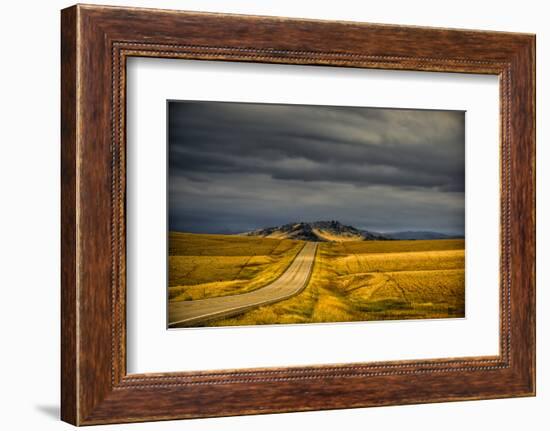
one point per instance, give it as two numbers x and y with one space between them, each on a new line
206 266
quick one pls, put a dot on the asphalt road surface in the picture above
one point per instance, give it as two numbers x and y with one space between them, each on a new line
291 282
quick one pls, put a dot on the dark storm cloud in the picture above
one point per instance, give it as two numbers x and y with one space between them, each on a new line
410 161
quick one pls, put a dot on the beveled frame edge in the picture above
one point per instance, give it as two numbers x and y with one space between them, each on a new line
96 41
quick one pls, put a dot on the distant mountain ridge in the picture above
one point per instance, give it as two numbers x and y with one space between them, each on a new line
334 231
410 234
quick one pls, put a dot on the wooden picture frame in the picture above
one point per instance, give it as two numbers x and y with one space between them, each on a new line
95 43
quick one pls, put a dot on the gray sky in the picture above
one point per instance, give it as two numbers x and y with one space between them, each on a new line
235 167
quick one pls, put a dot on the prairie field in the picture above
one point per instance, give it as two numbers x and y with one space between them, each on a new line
373 280
205 266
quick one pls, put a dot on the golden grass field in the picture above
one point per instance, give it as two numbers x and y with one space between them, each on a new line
351 281
204 266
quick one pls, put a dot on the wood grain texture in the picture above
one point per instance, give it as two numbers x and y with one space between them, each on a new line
69 367
96 41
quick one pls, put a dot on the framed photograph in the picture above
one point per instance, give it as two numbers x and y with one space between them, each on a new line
260 195
264 215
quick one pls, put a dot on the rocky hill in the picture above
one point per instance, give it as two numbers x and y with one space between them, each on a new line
317 231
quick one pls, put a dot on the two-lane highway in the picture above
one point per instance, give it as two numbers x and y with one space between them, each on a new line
291 282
